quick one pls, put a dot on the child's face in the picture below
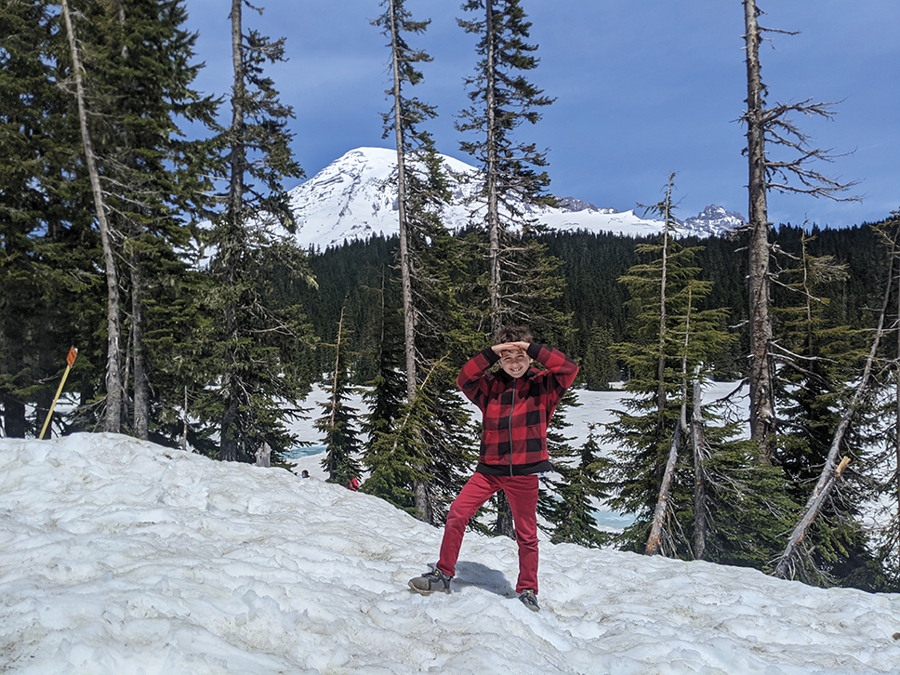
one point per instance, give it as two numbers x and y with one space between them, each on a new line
515 362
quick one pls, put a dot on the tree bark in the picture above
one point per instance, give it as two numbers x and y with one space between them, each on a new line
491 182
113 420
762 407
661 365
698 440
654 541
229 441
141 383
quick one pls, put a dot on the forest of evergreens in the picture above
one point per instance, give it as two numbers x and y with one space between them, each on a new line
351 276
153 252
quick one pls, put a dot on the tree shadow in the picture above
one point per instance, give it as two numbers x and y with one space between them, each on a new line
480 576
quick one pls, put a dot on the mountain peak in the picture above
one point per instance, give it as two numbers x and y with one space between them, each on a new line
355 197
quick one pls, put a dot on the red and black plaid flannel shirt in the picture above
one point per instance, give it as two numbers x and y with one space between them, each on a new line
516 411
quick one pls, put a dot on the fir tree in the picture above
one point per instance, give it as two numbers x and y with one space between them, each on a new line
258 343
155 180
521 285
570 504
816 359
428 274
671 339
47 249
338 423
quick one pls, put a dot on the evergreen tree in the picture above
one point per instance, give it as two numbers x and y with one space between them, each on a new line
47 248
257 342
154 179
338 423
670 339
428 272
817 359
569 505
521 285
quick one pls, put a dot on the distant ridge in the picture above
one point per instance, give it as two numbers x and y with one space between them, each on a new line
354 198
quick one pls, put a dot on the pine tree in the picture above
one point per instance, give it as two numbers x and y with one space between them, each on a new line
569 505
429 275
47 248
258 343
154 178
670 339
816 359
338 423
522 285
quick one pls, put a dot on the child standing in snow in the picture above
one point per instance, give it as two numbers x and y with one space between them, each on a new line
517 403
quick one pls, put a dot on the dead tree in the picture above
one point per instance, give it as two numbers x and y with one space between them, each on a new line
113 419
654 541
772 126
700 448
832 471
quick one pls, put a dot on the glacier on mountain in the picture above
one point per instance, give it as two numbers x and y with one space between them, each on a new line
355 197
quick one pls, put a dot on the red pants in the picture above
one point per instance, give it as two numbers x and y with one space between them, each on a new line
522 494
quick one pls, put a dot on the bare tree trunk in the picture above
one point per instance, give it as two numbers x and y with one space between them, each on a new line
762 408
229 441
661 365
698 439
832 471
422 501
654 541
493 211
141 384
113 420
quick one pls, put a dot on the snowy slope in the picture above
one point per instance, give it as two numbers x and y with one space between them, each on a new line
119 556
355 198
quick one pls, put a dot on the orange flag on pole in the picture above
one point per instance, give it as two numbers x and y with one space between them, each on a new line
70 361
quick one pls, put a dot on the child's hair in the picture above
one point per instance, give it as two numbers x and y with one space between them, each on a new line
513 334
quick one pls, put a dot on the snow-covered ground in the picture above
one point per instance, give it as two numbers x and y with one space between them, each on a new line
119 556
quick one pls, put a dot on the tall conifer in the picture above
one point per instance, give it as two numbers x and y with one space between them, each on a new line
258 342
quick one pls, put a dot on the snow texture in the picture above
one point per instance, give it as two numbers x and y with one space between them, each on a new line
119 556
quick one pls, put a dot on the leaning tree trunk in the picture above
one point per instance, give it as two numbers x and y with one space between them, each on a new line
654 541
762 409
831 472
113 418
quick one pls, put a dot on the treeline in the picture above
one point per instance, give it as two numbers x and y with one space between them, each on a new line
354 276
155 253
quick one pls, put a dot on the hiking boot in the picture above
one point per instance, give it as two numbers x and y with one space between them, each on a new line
432 582
529 599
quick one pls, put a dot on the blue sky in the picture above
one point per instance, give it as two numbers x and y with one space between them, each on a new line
643 88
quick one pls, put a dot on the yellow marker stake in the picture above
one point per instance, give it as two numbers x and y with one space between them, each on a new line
70 360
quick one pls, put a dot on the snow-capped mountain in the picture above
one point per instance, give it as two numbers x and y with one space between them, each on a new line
355 197
713 220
